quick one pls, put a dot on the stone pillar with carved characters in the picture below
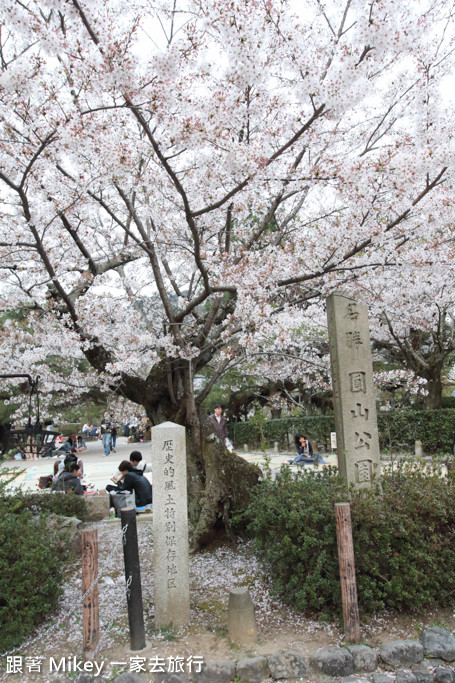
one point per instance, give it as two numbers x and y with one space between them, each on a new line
354 394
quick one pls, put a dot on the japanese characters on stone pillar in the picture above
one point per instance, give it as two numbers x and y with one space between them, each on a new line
170 525
354 394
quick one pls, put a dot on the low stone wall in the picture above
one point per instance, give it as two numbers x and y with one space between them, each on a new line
402 661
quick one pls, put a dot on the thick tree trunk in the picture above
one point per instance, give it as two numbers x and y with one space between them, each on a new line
219 482
434 386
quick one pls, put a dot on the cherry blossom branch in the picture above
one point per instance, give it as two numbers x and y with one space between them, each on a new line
216 205
178 186
86 23
369 240
212 381
152 256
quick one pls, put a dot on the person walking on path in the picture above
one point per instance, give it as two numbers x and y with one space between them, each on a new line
114 431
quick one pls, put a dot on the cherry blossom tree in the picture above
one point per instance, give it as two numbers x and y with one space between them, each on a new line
182 179
413 320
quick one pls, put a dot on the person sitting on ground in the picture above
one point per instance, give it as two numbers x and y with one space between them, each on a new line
69 480
305 455
81 446
139 465
133 481
70 444
63 464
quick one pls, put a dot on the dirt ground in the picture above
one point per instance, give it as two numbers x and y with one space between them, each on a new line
212 575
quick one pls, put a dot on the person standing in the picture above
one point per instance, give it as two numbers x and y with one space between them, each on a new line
220 424
114 431
106 434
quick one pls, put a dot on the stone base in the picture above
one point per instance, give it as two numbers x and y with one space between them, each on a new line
97 507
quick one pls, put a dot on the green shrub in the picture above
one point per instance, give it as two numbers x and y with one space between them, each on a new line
403 532
67 428
30 574
398 430
65 505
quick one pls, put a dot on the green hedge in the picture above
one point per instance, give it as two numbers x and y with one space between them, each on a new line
67 428
398 430
404 538
31 562
47 503
316 427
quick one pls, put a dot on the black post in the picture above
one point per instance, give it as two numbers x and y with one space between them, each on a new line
133 578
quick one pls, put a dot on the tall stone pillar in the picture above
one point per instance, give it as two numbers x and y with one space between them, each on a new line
170 525
353 390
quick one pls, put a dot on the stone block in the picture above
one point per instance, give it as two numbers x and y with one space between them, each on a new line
333 661
170 677
444 675
402 653
438 642
365 658
354 394
405 677
241 617
216 672
423 676
97 507
427 664
381 678
288 665
69 529
253 670
418 450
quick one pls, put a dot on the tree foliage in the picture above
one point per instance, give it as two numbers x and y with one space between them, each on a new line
182 181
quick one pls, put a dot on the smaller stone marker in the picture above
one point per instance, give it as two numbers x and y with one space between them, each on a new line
418 449
170 526
241 617
275 447
245 447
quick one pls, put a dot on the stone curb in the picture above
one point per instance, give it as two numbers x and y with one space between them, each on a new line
401 661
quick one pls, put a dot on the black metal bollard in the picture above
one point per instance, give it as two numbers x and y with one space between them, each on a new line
133 579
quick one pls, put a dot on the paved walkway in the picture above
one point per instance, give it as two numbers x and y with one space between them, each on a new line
99 469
